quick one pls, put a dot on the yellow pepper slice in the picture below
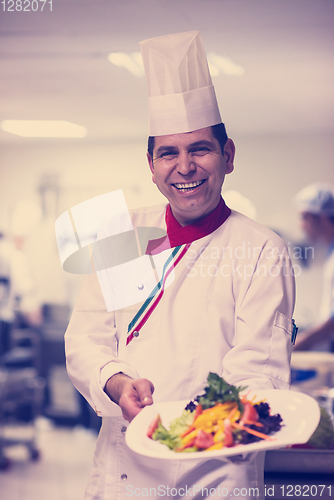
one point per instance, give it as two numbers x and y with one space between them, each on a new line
211 416
219 435
189 437
216 446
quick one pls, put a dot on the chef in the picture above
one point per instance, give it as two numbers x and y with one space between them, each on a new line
222 299
17 291
315 204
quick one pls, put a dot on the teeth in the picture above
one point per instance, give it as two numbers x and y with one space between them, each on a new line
188 185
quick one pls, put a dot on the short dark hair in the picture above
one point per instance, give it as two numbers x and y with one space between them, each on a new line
218 132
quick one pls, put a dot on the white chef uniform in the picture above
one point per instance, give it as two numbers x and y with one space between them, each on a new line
318 199
327 303
227 309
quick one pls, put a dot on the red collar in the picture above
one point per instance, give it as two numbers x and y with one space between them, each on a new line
180 235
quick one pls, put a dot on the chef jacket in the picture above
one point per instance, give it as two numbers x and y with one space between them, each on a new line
327 300
327 303
224 305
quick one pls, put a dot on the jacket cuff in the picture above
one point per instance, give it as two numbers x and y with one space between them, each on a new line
103 405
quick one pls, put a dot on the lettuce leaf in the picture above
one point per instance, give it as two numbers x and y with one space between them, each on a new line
171 437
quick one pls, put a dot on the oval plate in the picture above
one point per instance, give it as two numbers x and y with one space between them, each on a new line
300 414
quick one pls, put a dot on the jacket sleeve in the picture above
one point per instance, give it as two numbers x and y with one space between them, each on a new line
91 347
261 354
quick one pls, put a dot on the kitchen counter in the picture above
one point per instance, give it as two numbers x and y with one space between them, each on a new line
299 473
300 461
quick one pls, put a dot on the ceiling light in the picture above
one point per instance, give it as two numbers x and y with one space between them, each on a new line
214 71
132 62
43 128
225 65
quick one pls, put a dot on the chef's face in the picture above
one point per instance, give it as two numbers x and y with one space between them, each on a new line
317 227
311 226
189 170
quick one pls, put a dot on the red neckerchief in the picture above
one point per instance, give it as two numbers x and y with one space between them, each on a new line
180 235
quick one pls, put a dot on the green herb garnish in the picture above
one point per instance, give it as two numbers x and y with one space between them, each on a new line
219 391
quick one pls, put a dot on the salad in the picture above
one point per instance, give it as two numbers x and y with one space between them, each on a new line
218 418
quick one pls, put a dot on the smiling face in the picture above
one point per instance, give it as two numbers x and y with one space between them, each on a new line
189 170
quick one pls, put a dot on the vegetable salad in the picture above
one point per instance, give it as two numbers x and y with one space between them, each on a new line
218 418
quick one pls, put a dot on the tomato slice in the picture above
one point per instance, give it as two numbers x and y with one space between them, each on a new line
153 426
203 439
249 413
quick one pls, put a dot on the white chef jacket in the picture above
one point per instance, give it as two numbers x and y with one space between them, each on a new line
327 303
327 300
227 309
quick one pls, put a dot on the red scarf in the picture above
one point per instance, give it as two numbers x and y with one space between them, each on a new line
180 235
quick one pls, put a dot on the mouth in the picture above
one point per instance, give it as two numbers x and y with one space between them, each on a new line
185 187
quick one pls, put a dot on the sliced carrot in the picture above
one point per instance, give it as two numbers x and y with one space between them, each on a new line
189 437
190 428
252 431
188 445
244 397
198 411
232 412
251 422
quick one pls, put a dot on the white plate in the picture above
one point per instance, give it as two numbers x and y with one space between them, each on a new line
300 414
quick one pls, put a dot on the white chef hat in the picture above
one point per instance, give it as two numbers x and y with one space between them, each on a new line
181 95
316 198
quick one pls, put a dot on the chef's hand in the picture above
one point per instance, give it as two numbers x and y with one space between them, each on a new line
130 394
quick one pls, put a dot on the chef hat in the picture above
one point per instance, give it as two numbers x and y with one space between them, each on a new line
316 198
181 95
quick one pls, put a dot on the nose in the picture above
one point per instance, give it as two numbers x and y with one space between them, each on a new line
185 163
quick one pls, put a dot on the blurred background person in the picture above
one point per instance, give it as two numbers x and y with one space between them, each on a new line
315 203
17 291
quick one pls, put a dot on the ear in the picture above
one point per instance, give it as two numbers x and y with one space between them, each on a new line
150 162
229 153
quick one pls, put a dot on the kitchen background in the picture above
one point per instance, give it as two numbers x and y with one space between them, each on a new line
77 60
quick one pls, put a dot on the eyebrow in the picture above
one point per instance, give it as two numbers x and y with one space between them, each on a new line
165 149
203 142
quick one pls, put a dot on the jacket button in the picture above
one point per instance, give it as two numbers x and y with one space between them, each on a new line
124 477
123 429
141 286
136 334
